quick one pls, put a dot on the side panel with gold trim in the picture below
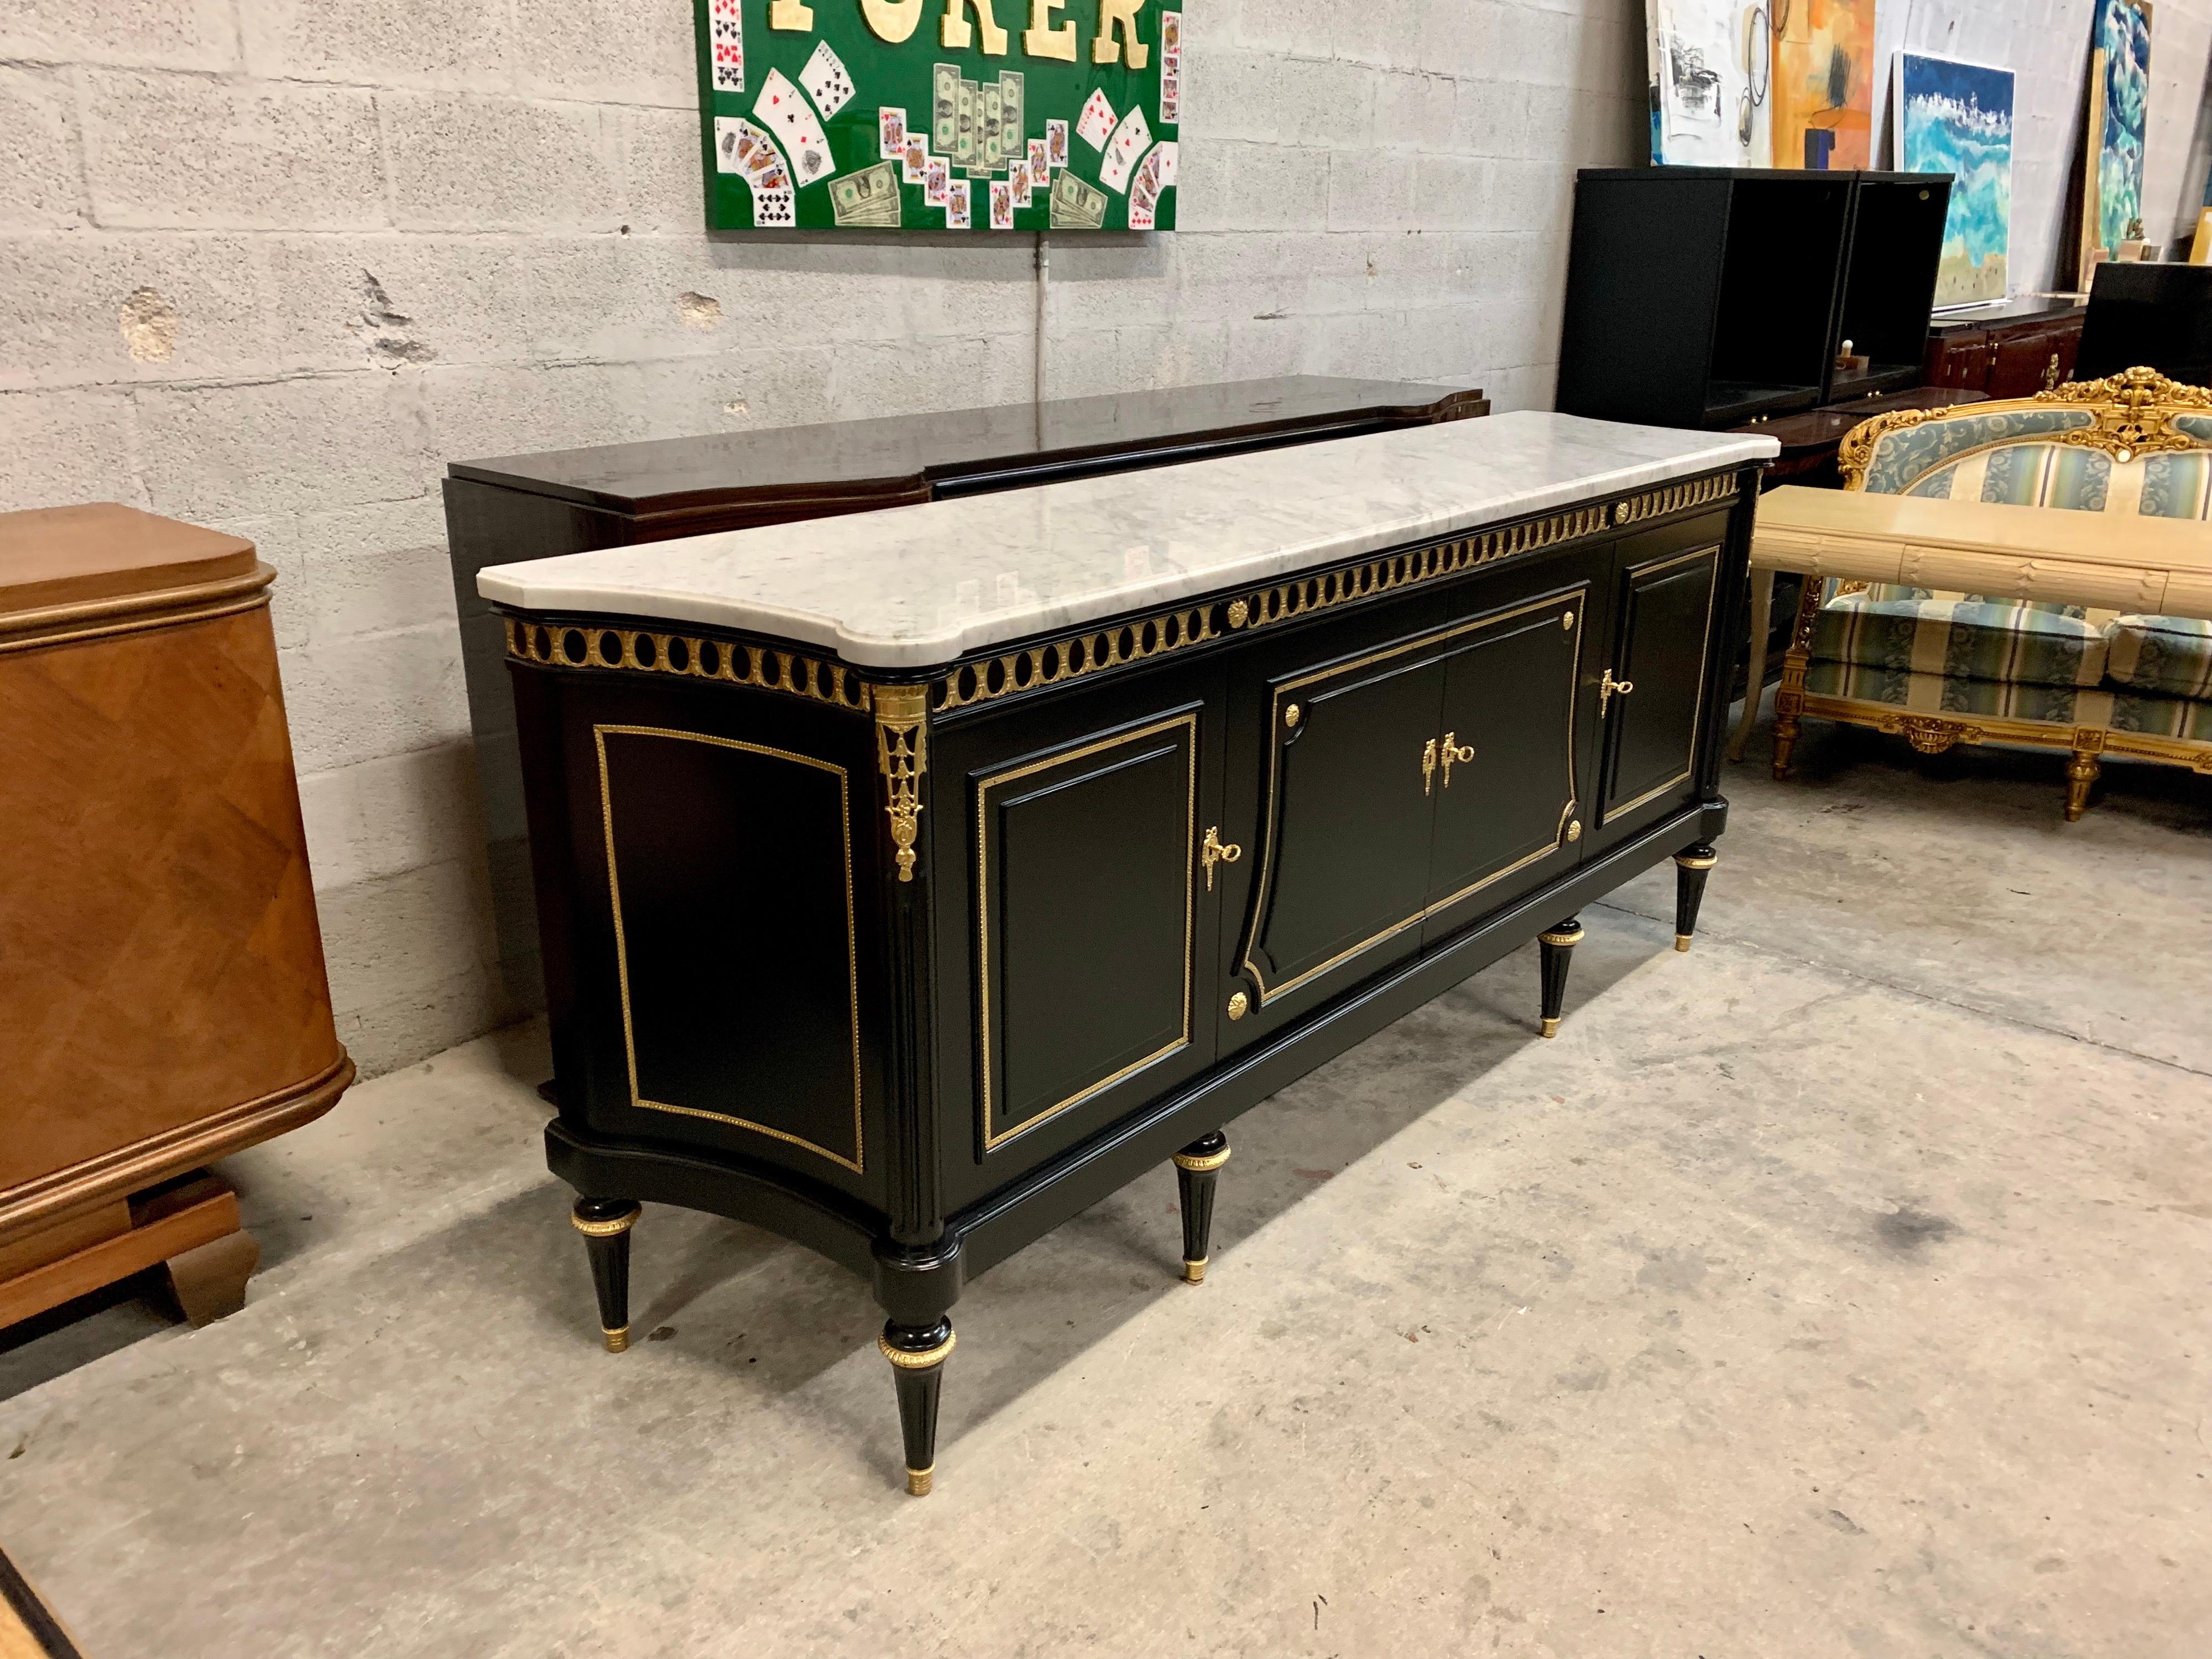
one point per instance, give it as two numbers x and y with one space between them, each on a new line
722 980
1075 929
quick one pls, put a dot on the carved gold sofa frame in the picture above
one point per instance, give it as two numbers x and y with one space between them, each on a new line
2025 656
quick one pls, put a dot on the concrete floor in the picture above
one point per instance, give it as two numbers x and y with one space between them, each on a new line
1838 1288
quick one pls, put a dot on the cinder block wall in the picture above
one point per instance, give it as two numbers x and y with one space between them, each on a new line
270 264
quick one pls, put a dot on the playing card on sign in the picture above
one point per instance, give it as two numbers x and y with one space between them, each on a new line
936 181
1131 140
732 143
826 81
1038 164
784 112
728 34
1096 120
956 204
1055 144
914 164
1167 154
1002 205
775 209
890 134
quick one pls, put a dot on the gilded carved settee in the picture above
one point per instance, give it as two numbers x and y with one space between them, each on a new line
1944 668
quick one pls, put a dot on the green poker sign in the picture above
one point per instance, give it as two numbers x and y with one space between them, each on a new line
930 115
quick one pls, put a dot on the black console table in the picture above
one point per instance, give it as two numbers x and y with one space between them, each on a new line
909 881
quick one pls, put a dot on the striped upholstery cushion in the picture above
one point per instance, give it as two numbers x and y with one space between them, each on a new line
2177 486
2038 475
2170 654
2187 718
1910 630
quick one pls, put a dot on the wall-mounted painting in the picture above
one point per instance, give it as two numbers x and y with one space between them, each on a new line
1956 117
1824 69
2113 150
1711 66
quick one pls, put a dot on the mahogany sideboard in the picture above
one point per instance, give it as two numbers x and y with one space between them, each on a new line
910 881
528 506
2012 349
162 996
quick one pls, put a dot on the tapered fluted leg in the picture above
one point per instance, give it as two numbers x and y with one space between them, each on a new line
1558 948
917 1355
1692 866
606 1224
1196 1166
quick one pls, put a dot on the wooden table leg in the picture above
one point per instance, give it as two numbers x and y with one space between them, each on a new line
1754 690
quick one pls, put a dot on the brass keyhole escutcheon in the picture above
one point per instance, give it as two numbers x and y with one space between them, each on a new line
1212 852
1574 829
1454 753
1610 688
1567 622
1290 716
1239 1005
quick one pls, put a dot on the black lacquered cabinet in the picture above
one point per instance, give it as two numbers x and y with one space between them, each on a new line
912 969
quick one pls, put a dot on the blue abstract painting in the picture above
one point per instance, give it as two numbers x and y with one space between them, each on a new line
2120 98
1956 117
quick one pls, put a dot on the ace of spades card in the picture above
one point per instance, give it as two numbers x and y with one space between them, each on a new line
1131 140
826 81
1096 120
786 115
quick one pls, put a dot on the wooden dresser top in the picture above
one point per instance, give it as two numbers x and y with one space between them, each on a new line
58 556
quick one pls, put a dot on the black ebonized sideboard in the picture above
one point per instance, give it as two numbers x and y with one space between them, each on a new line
912 964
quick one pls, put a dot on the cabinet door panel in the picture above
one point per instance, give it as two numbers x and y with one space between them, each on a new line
1086 935
1344 861
1509 707
1663 643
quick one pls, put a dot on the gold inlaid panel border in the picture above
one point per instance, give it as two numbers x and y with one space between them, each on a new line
1577 597
983 787
1713 551
599 735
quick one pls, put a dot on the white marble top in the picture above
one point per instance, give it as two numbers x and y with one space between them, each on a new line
919 586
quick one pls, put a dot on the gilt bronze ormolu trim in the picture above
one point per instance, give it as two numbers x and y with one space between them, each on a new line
902 751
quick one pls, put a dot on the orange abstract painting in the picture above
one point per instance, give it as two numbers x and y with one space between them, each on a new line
1823 83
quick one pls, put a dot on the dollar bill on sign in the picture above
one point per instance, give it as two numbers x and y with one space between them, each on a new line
1076 205
1011 116
870 196
995 154
965 152
944 107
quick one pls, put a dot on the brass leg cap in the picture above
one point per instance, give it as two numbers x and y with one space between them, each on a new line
1193 1273
1551 1028
918 1481
618 1340
1681 941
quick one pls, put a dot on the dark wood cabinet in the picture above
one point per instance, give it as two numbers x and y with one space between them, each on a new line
912 969
2011 351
